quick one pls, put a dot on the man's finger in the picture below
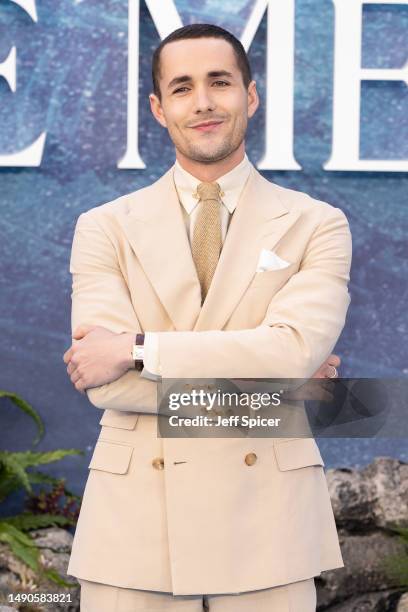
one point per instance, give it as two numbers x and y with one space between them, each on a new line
334 360
79 387
75 376
68 355
70 368
82 330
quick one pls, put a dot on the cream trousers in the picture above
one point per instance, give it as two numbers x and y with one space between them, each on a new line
293 597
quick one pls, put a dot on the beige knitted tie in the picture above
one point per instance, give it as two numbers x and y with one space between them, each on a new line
207 239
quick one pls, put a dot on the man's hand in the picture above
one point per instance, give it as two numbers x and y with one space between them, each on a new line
98 356
326 369
318 390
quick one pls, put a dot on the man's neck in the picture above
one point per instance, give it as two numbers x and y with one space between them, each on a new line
211 172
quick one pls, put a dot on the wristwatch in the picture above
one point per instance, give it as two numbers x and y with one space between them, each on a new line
138 352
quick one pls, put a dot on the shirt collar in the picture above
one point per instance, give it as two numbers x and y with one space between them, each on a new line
231 185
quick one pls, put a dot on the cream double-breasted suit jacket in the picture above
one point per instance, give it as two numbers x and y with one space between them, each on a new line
208 522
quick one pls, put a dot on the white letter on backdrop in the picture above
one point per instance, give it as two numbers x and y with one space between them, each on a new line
31 156
348 75
280 48
166 19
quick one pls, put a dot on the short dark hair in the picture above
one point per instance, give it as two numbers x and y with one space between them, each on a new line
202 30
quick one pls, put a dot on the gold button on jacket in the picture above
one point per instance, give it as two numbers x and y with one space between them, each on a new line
250 458
158 463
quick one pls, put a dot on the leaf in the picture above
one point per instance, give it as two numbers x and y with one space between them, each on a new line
28 409
14 468
41 478
22 545
30 458
27 554
28 520
8 484
8 532
25 549
401 531
13 474
396 568
55 577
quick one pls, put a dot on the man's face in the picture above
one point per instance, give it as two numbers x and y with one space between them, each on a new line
200 82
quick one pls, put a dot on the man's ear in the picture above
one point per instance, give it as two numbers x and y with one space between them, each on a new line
156 108
253 99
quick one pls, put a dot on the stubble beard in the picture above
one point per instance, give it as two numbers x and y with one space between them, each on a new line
222 151
211 155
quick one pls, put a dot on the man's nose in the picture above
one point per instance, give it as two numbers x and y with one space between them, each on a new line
203 100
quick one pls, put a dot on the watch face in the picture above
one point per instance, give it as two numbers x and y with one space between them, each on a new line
138 352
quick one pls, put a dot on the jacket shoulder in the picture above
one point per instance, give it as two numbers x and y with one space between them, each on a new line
117 207
294 199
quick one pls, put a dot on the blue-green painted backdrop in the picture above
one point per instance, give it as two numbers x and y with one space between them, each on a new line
72 82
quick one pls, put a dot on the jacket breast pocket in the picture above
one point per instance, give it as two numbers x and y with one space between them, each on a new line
272 278
297 453
111 457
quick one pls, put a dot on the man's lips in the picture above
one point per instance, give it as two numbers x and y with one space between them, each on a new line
206 127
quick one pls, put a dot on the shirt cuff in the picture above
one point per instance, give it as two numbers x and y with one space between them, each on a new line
151 359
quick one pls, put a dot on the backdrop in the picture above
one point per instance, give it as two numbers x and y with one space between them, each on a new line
70 99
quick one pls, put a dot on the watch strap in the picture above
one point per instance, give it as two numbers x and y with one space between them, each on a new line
139 341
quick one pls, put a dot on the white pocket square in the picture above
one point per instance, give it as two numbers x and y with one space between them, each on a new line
268 260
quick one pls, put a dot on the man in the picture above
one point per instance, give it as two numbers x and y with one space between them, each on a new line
227 275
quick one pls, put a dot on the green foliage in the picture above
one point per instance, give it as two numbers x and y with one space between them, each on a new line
21 544
13 467
25 549
27 521
28 409
396 566
16 473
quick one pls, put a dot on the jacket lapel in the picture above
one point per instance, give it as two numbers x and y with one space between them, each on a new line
259 221
155 228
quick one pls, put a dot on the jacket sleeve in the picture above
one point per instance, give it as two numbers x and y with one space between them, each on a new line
301 326
100 296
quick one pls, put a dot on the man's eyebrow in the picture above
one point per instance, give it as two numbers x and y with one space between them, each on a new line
185 78
177 80
219 73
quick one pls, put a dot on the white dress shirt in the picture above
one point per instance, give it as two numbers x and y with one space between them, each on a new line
231 184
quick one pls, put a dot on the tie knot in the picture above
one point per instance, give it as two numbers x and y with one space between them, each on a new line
208 191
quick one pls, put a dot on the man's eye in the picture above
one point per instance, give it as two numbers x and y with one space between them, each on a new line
179 89
224 82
